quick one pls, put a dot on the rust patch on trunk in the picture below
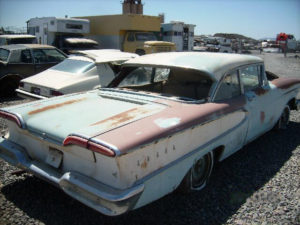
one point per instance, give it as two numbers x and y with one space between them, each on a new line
122 117
55 106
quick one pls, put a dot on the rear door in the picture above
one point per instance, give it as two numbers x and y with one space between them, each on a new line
229 91
258 100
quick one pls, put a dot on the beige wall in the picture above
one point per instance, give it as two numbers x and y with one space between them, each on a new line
114 24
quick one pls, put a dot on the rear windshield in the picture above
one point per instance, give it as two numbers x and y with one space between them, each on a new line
4 54
21 41
74 66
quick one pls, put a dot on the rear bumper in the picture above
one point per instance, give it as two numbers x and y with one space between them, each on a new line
28 95
105 199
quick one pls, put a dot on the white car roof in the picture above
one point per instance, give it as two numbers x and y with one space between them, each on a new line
213 64
108 55
17 36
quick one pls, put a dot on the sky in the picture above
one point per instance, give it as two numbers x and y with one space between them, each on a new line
253 18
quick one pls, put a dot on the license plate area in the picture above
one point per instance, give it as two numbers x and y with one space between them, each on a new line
54 157
35 90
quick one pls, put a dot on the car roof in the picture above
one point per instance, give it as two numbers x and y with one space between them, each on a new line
17 36
25 46
211 63
107 55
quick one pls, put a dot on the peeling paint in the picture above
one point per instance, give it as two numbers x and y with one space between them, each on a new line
122 117
168 122
260 91
55 106
144 164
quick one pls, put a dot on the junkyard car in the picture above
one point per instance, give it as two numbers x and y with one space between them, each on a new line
81 72
23 60
10 39
160 125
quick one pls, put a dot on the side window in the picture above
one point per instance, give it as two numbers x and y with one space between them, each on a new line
130 37
250 77
26 56
47 56
229 87
161 74
39 56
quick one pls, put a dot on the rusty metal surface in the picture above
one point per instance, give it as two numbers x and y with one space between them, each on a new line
55 106
154 127
285 83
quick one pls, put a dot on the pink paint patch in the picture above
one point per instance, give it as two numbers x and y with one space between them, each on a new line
262 116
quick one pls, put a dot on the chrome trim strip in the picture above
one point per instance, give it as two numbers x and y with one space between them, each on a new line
28 95
137 93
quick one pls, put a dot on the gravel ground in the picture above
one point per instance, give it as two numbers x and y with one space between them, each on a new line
260 184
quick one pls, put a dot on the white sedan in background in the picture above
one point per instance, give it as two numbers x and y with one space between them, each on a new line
85 71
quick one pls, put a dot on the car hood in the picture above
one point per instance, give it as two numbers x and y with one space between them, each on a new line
53 79
86 114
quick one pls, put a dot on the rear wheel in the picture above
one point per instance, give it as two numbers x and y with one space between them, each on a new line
284 119
198 175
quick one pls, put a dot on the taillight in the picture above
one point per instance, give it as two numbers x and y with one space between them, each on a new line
74 140
55 93
12 117
95 147
101 149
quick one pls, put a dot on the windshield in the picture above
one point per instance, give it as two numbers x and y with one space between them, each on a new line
178 82
145 37
74 66
4 54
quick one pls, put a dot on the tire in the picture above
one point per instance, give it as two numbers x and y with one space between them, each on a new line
198 175
284 119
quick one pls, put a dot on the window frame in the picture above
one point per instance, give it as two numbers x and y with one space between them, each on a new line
237 72
262 79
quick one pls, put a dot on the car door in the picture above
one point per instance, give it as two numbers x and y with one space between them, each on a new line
21 63
229 92
258 100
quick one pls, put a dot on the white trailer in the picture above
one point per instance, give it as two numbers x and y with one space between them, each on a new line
179 33
63 33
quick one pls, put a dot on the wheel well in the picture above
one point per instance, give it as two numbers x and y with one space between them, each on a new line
292 104
218 153
11 77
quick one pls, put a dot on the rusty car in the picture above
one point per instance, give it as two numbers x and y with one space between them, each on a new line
160 125
18 61
83 71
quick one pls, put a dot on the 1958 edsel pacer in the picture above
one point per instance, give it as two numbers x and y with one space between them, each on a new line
160 125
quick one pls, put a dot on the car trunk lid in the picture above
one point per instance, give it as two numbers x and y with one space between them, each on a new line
87 114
